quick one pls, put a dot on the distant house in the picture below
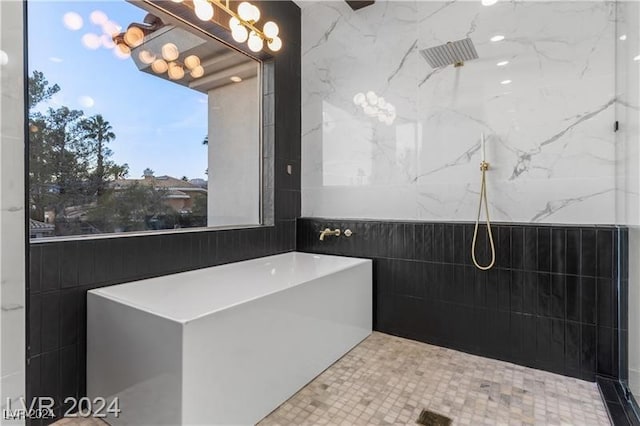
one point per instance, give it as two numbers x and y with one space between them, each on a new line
180 194
39 229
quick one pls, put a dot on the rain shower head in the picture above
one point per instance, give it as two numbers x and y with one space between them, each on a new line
451 53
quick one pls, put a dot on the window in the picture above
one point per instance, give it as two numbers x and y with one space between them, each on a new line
138 122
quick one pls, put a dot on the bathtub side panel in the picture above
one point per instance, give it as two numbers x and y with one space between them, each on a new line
241 363
137 357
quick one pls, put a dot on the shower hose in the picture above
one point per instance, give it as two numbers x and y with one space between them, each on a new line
483 197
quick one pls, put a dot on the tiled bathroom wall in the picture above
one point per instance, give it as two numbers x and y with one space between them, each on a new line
543 96
12 215
550 301
61 271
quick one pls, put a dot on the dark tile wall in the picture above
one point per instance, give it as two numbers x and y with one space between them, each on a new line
550 302
62 272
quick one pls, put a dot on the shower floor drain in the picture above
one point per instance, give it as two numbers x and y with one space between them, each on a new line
429 418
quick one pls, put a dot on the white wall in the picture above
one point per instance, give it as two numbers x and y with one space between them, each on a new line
234 154
12 253
550 132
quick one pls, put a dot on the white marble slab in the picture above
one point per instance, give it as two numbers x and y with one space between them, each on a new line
549 132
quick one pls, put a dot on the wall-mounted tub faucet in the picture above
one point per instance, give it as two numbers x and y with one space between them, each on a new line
328 231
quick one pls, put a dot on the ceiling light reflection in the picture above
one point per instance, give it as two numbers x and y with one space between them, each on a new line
72 21
497 37
505 82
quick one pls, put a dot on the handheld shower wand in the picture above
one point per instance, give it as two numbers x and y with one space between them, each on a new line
484 166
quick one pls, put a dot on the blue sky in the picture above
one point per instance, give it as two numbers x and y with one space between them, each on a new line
158 124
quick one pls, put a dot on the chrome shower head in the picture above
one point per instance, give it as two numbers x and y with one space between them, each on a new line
451 53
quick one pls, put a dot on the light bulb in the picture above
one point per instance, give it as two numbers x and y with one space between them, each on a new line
191 61
240 34
245 10
134 36
370 111
358 98
372 98
197 72
204 10
255 42
98 17
111 28
91 41
107 41
271 29
146 57
159 66
275 44
234 22
176 72
170 52
72 21
122 51
255 13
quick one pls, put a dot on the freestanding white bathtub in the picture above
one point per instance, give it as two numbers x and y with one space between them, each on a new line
227 344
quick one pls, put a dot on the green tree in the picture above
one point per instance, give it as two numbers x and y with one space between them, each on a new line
97 133
129 209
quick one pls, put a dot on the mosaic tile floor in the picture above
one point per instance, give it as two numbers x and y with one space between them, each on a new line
389 380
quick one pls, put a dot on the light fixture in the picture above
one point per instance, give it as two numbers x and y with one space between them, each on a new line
497 37
159 66
72 21
170 52
502 63
375 106
255 43
204 10
197 72
242 23
91 41
133 36
505 82
98 17
235 79
191 62
175 72
146 57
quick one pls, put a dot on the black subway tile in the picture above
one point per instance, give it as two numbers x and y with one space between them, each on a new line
558 296
544 249
517 247
558 250
572 255
503 247
50 328
50 264
573 298
604 253
588 300
530 249
605 302
35 258
588 254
